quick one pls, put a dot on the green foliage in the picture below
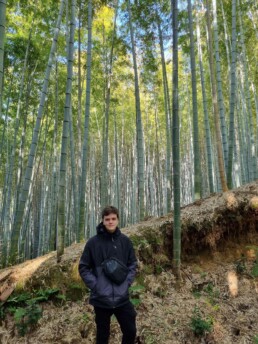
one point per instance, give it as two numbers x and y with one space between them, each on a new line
253 247
25 309
61 297
211 291
75 291
254 271
207 290
139 242
27 317
255 339
158 269
135 294
196 293
18 299
85 317
199 325
240 266
203 274
136 302
26 298
45 295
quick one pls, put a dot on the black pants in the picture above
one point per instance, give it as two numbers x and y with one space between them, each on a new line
125 315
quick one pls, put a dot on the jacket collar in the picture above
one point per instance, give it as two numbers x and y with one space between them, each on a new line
101 230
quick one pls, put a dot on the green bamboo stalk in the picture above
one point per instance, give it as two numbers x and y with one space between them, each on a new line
223 125
168 124
227 40
86 128
232 98
221 165
139 136
54 189
176 147
61 224
256 109
158 164
205 111
247 140
118 196
74 182
247 96
4 136
2 41
197 165
104 167
243 138
43 203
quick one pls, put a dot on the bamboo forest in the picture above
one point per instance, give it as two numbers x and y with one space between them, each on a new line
145 105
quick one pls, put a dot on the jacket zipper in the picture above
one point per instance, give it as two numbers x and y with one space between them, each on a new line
113 242
113 295
112 282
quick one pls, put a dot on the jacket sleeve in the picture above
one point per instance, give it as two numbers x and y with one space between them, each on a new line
86 266
131 264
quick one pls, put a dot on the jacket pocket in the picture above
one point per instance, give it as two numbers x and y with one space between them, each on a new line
121 291
103 286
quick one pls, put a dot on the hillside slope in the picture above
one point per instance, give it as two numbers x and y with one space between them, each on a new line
220 286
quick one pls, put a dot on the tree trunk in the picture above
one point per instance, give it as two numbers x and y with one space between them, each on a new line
168 124
62 181
139 130
86 127
215 104
206 115
79 114
232 98
197 165
223 125
105 152
247 97
176 146
2 40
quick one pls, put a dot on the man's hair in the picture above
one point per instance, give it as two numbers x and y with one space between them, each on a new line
109 210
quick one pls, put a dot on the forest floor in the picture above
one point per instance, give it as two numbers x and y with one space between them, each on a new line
218 294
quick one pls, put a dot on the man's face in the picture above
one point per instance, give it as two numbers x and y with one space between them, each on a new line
110 222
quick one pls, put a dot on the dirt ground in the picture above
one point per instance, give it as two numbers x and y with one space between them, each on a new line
220 286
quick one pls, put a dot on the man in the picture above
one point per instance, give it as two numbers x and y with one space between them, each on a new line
106 296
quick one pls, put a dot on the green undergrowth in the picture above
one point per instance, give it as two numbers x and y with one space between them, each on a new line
254 271
199 325
241 265
209 291
136 293
255 339
25 307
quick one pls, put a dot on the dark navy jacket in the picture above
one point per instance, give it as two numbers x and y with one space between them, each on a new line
105 293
